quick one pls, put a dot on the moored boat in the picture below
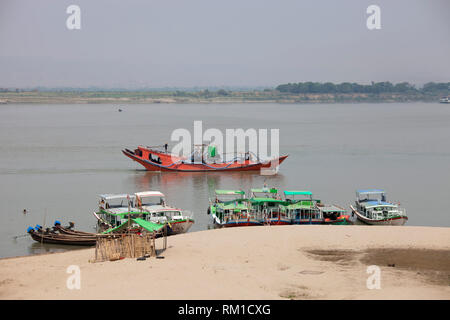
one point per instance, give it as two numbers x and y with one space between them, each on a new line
52 237
371 207
334 214
267 205
115 210
230 209
154 159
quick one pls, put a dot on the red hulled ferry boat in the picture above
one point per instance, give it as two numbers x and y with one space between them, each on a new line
154 159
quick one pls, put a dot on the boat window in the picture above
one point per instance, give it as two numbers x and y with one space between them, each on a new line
116 203
152 201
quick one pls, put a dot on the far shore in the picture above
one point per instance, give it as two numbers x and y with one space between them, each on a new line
274 262
131 97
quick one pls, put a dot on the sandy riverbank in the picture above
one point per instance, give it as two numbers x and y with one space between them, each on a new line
285 262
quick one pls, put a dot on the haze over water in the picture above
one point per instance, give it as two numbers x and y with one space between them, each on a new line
56 159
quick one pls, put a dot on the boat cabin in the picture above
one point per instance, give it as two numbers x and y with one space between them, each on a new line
267 208
372 204
302 208
146 199
228 195
331 212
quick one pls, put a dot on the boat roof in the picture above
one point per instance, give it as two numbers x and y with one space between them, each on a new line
375 203
369 191
260 200
296 192
232 205
110 196
159 208
145 194
229 192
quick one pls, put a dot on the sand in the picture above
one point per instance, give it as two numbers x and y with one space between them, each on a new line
275 262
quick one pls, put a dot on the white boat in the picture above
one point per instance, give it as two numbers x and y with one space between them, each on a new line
444 100
371 207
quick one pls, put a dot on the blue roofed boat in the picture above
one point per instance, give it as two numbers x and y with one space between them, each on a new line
371 207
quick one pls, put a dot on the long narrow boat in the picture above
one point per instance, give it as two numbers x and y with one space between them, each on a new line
150 206
55 238
230 209
371 207
157 160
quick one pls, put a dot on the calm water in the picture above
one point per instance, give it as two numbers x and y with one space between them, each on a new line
55 160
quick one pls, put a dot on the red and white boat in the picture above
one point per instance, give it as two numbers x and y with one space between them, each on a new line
161 160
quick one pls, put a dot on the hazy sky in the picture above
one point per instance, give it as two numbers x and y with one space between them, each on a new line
187 43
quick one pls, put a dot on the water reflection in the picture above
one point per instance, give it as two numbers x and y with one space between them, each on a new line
195 183
41 248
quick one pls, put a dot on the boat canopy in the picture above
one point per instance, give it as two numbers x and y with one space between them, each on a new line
229 192
115 196
147 225
295 193
271 190
145 194
369 191
374 203
331 208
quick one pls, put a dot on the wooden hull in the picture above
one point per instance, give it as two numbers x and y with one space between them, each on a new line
177 227
342 220
278 222
339 222
304 221
396 221
169 163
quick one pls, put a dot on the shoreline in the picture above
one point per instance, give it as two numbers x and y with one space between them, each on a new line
275 262
68 249
88 97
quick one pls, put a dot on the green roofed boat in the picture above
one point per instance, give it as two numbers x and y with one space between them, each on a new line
267 205
138 225
302 208
115 210
371 207
230 208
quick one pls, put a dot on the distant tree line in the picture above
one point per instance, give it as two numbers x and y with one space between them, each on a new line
374 87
